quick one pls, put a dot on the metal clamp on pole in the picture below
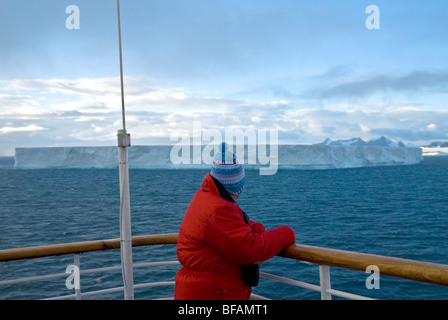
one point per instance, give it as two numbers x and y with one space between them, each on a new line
124 139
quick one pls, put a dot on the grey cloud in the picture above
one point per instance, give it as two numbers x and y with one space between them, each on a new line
412 82
334 72
9 100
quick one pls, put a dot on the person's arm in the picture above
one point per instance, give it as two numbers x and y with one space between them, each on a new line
256 227
228 234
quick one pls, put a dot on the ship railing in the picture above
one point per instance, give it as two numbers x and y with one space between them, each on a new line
325 258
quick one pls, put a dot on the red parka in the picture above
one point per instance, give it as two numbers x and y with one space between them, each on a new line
214 241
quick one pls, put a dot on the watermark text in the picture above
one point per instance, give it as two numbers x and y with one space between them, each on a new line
202 145
373 20
73 20
73 280
373 281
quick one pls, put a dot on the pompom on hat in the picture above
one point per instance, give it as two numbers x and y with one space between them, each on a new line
228 171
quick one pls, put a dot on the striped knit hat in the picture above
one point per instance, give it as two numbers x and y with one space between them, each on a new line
228 171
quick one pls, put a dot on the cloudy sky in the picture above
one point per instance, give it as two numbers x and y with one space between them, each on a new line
310 69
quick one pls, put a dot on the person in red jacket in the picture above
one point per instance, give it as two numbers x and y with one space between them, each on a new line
219 248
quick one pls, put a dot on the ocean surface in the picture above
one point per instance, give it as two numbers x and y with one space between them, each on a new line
399 211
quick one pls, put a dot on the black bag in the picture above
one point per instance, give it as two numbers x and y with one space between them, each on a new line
251 274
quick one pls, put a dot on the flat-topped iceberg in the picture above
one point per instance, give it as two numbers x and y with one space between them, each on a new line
327 155
436 148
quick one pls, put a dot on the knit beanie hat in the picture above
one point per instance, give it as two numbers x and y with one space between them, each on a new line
228 171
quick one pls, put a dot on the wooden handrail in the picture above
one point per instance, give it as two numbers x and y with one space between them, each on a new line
81 247
396 267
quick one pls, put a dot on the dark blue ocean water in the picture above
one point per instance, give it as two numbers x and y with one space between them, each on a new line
399 211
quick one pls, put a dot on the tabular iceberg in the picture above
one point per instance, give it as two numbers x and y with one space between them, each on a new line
436 148
327 155
330 157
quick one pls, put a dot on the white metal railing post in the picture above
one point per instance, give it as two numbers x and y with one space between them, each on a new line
78 281
325 282
124 141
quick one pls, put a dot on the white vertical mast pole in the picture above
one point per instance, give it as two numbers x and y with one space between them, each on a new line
124 141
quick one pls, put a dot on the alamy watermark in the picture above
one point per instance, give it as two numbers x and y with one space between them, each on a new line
373 281
73 20
373 20
250 146
73 280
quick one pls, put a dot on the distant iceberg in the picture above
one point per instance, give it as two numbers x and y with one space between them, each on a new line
355 142
350 153
326 155
436 148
